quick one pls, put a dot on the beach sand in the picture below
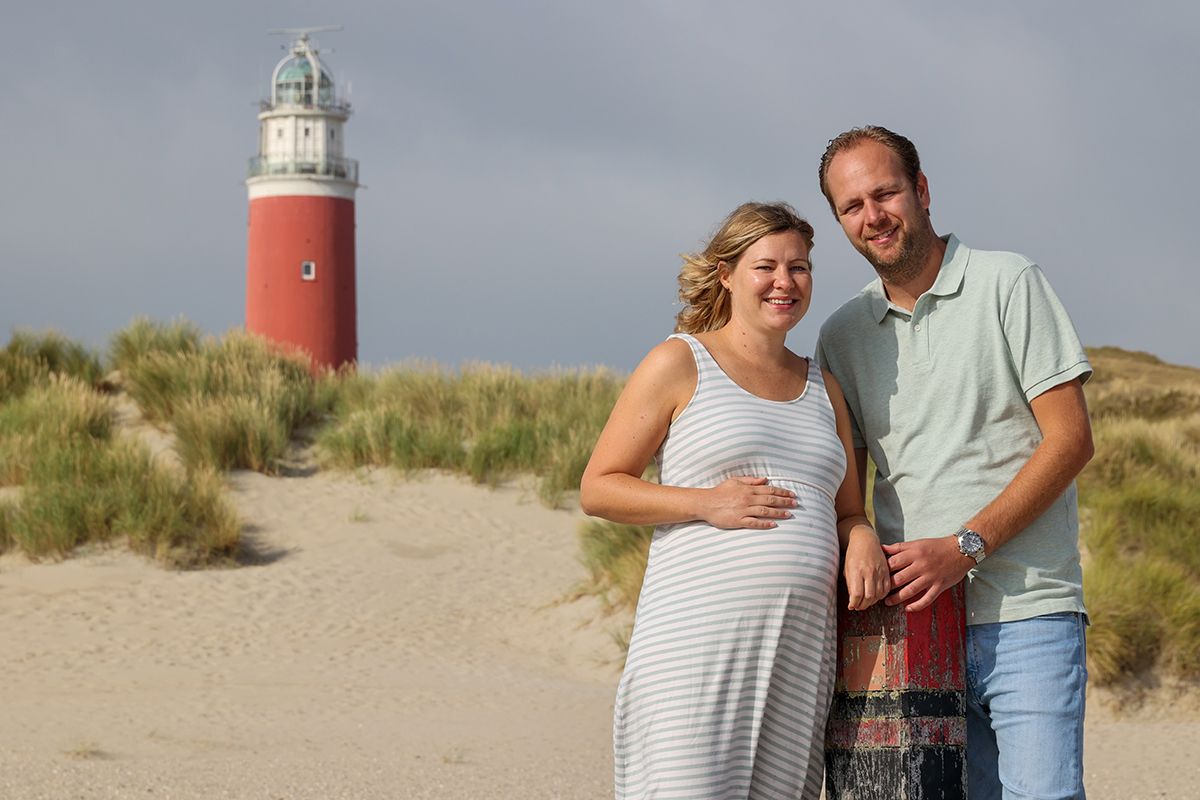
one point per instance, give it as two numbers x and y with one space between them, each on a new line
385 637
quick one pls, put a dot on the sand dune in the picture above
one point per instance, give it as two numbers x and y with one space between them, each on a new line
385 638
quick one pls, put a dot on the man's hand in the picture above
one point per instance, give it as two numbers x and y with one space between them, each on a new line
923 569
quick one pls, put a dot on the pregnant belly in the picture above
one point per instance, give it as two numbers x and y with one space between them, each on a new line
693 562
730 591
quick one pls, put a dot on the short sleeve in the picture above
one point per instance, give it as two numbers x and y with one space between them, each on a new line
819 353
824 362
1042 341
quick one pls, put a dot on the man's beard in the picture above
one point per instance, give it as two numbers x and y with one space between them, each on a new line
905 265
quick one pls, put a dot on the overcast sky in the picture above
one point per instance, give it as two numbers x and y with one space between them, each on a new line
532 170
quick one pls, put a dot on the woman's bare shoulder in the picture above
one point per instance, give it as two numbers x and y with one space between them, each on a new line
668 362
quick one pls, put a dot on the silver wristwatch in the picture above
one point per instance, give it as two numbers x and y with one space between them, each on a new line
970 544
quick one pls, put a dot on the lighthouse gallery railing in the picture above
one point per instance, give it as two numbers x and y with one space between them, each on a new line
345 168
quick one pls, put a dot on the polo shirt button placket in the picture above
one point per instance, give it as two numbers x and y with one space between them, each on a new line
920 336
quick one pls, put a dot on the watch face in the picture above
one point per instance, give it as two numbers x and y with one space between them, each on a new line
970 543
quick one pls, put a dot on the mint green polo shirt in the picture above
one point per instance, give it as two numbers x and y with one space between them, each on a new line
940 399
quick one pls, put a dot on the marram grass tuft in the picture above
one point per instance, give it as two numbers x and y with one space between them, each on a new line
489 422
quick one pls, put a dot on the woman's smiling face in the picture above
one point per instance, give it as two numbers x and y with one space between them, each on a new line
771 284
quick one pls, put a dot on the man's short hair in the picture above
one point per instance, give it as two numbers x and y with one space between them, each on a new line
902 147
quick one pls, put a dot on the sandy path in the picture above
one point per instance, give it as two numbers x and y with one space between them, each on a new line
394 639
390 639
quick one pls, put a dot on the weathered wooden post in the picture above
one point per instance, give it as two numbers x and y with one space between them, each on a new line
897 730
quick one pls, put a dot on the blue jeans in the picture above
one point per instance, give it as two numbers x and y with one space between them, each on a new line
1025 698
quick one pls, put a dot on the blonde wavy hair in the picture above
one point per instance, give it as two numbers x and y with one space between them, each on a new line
705 300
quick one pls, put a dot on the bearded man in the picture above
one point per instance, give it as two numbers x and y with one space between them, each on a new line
964 378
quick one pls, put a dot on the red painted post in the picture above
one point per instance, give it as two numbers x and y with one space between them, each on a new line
897 729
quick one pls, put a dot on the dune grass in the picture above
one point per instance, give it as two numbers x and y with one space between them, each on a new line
144 337
6 538
615 556
91 490
233 403
236 403
489 422
1140 498
79 484
55 411
31 358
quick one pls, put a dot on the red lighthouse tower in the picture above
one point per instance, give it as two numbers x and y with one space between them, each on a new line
300 258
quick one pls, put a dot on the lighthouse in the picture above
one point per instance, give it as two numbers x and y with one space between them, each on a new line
300 285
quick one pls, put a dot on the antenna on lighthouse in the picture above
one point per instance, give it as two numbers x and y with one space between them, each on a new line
304 32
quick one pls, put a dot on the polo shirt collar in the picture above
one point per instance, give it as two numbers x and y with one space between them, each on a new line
954 265
948 281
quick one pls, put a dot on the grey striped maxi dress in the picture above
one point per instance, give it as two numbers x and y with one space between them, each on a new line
729 674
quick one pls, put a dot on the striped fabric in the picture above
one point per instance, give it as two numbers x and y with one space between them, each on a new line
729 674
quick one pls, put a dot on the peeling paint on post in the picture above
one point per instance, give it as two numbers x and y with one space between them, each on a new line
898 729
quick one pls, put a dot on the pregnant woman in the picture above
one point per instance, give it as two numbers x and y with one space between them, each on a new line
730 668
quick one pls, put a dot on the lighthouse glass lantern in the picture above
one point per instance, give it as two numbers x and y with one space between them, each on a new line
300 281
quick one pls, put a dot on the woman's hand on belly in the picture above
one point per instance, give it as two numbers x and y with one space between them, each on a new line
746 502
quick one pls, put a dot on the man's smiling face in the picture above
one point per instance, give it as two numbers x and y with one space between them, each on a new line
884 214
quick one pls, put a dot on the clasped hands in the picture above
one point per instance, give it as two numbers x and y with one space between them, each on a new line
914 573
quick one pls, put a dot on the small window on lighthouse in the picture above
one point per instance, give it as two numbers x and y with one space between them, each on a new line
308 270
